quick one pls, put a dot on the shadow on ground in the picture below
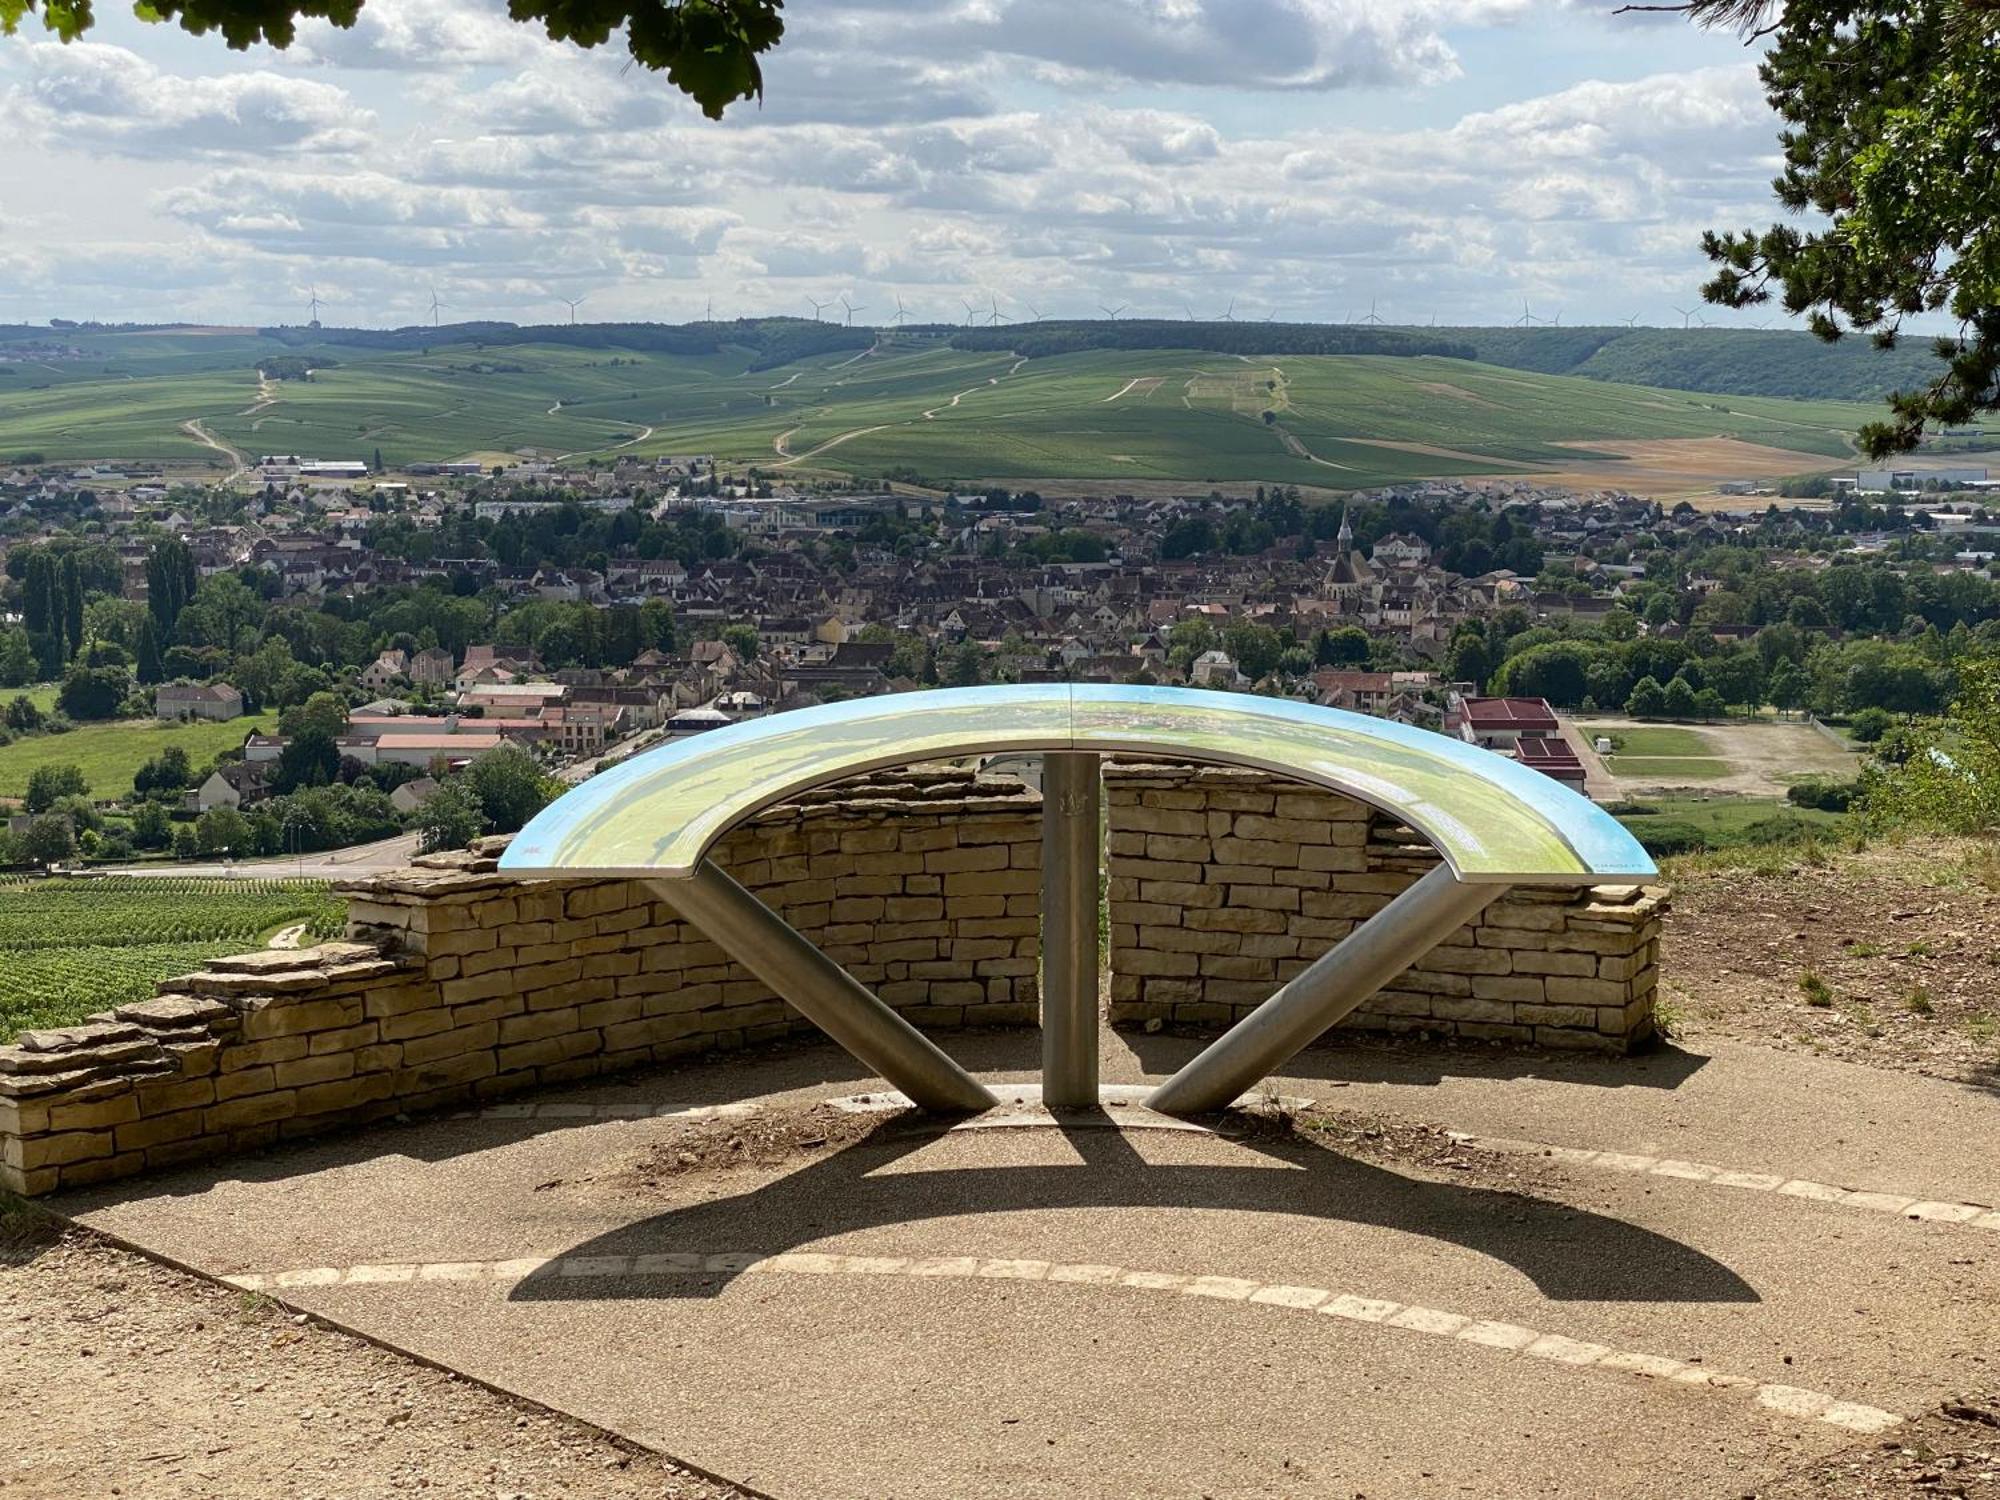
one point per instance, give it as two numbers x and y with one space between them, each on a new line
810 1061
1570 1254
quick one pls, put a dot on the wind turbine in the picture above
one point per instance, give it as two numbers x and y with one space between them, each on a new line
1687 315
314 299
1229 312
818 307
1033 309
995 320
1371 318
1527 319
708 310
1113 312
572 304
901 314
1633 321
971 311
435 305
851 308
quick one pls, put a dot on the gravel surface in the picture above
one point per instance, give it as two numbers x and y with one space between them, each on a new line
121 1377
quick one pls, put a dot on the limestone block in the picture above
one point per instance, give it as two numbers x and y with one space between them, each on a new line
453 1043
259 1109
1520 988
311 1070
1565 990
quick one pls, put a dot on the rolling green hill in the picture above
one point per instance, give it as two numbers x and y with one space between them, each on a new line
949 404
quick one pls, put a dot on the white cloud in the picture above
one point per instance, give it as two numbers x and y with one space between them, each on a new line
85 93
1059 155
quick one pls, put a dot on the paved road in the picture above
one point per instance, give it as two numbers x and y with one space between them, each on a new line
1690 1270
332 864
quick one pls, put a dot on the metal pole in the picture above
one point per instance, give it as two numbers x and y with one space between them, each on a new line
1347 974
826 994
1070 862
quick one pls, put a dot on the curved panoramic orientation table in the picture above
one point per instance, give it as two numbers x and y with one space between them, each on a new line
1495 822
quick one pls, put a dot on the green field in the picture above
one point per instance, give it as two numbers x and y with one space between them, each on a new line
1144 415
71 947
110 753
1658 740
1693 768
1720 822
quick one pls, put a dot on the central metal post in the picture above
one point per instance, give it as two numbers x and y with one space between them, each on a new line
820 990
1070 864
1344 976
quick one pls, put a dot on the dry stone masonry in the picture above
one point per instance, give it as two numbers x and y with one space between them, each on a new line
456 985
1225 883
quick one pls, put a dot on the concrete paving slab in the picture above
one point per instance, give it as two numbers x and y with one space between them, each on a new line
1085 1313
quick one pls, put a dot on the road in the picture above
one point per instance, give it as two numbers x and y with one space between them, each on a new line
328 864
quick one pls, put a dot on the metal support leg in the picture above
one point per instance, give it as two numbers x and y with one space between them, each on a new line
826 994
1070 862
1347 974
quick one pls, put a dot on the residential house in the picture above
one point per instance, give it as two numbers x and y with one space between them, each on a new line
197 700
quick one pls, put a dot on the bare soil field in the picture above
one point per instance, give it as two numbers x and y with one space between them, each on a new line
1889 957
122 1377
1671 467
1762 757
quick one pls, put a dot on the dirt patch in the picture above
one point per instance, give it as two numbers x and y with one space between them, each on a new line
1432 450
1763 758
1391 1141
1952 1450
143 1381
775 1136
1674 467
1890 957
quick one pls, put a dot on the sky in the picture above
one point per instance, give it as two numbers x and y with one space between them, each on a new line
1455 161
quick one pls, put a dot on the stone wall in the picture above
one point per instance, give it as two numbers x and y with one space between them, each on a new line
459 985
1225 883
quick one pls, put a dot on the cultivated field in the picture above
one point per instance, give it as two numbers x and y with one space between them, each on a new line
109 753
69 947
1139 417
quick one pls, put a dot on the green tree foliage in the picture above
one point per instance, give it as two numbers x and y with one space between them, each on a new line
170 574
1949 775
169 771
49 841
1349 646
324 713
22 716
1648 699
310 758
511 787
1869 725
152 828
223 829
1888 142
709 49
17 658
93 692
450 818
150 672
964 665
1257 649
48 783
1680 700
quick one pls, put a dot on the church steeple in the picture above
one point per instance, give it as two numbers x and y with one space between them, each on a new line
1344 538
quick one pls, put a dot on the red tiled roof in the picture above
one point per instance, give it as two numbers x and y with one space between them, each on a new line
1524 714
